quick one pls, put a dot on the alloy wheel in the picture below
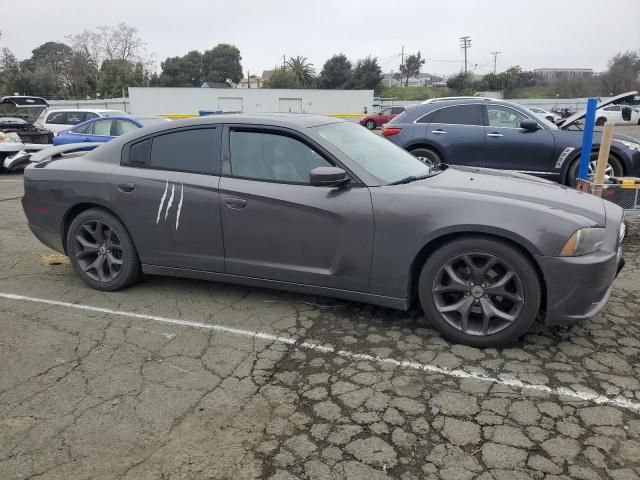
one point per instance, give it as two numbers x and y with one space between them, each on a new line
608 171
98 251
478 293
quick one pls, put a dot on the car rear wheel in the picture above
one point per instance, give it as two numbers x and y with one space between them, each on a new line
371 124
601 121
613 169
101 251
426 155
479 291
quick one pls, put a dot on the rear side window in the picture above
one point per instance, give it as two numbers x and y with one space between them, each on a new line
102 128
459 115
139 153
187 151
56 118
73 118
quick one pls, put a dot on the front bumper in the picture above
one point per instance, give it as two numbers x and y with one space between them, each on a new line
579 287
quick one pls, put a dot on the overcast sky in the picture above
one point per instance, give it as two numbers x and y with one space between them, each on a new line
532 34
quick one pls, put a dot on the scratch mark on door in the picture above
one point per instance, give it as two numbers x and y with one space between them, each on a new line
179 205
164 196
170 202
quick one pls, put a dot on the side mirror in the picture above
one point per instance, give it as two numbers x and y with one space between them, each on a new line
529 125
328 177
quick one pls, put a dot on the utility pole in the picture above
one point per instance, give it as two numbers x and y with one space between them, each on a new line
465 43
248 79
495 60
284 62
402 65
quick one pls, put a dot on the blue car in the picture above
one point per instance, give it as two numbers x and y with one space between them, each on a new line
105 128
490 133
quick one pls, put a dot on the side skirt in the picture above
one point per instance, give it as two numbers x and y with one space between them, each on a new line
391 302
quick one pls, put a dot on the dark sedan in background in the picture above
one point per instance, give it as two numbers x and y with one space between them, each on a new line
318 205
491 133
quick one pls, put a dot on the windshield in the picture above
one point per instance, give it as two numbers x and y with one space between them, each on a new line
540 119
378 156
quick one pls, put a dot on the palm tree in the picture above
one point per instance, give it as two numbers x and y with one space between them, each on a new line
302 70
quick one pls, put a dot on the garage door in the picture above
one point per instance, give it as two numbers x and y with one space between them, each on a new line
291 105
230 104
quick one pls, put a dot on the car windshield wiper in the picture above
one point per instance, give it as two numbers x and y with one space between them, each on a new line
411 178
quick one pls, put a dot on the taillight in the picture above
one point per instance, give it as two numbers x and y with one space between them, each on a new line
387 132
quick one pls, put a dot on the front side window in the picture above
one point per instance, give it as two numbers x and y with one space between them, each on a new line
186 150
102 128
459 115
504 117
56 118
378 156
386 111
272 157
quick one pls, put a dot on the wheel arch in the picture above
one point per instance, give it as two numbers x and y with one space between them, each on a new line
430 146
576 157
520 244
76 210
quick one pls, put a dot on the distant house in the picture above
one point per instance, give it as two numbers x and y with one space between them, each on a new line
267 74
392 79
551 75
252 82
210 84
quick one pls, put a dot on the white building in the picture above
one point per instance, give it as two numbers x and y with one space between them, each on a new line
166 100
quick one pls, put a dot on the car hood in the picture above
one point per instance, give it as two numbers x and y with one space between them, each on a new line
580 115
27 108
523 189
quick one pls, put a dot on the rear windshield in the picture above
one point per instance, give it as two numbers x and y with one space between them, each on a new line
399 118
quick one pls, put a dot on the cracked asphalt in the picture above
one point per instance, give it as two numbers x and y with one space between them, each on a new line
103 394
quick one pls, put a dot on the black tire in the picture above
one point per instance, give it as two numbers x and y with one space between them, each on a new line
528 291
572 172
426 155
601 121
550 118
371 124
96 233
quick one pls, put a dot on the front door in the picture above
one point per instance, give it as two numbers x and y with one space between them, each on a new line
510 147
166 193
277 226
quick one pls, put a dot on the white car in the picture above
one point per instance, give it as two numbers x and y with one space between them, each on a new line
614 113
59 120
552 117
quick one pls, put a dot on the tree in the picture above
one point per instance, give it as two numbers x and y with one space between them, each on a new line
461 83
336 73
281 78
302 70
117 75
411 67
622 75
183 71
367 74
222 63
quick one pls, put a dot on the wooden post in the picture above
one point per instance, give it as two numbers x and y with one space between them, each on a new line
603 157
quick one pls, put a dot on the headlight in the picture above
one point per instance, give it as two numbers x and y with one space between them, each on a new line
630 145
10 137
585 240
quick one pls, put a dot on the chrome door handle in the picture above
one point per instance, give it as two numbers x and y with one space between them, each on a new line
235 203
438 132
494 135
126 187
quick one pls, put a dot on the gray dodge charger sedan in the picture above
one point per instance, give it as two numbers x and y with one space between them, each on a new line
322 206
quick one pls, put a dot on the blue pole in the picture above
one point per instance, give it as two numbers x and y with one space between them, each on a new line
587 139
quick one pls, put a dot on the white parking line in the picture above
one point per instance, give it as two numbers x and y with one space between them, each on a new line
510 381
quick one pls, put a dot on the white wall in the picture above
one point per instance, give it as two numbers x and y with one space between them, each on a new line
159 100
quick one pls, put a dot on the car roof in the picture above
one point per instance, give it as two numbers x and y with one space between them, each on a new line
292 120
84 110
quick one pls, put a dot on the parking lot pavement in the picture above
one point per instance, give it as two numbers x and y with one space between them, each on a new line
178 379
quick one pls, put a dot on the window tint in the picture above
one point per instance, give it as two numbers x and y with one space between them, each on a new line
459 115
266 156
56 118
102 128
397 110
91 115
124 126
139 153
187 150
504 117
83 129
73 118
428 118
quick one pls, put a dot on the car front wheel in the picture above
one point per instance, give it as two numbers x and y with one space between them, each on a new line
101 251
613 169
479 291
426 155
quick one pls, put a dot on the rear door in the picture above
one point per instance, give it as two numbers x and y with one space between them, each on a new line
509 147
277 226
166 192
457 131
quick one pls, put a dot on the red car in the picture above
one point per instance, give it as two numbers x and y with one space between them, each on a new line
375 120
